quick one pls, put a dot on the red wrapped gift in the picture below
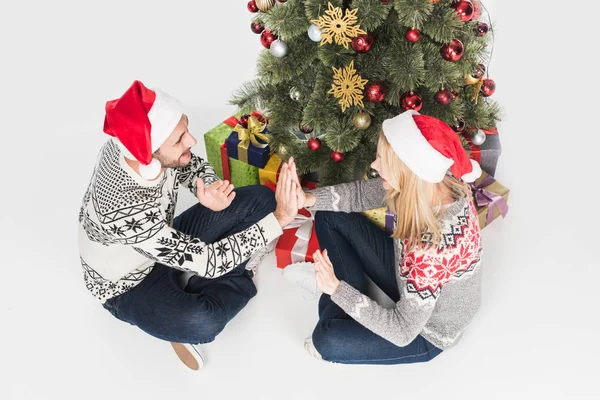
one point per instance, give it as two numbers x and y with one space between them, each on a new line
299 240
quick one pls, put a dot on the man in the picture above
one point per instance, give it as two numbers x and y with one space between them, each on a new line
133 251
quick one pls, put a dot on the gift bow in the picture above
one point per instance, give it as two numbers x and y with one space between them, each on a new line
251 134
304 224
478 82
486 198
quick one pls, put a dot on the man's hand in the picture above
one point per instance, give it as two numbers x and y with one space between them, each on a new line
217 196
286 196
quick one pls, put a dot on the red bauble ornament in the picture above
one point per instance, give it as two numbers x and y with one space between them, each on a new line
337 156
411 101
412 35
488 88
244 120
479 71
465 10
267 37
453 51
375 92
455 94
314 144
482 29
459 125
362 43
444 97
256 28
305 128
252 7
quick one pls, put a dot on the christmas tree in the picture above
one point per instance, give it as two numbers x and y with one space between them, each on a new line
334 70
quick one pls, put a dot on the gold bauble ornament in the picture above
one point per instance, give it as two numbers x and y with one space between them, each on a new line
264 5
362 120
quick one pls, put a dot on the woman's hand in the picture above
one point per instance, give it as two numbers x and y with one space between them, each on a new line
326 280
304 199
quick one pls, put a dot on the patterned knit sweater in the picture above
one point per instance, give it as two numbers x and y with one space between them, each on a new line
439 287
125 227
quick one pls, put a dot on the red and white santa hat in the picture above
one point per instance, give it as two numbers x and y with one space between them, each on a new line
141 120
429 147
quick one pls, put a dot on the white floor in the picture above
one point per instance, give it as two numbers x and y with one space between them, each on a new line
536 335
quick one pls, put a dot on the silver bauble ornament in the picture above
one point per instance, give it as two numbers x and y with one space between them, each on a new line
295 94
314 33
264 5
279 48
478 137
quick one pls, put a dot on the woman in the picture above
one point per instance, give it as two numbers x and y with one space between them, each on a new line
430 266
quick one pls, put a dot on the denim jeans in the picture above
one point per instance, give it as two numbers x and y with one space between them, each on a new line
199 312
357 247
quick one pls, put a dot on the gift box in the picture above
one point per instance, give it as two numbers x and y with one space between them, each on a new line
491 199
237 172
382 217
299 239
249 143
488 153
213 139
270 173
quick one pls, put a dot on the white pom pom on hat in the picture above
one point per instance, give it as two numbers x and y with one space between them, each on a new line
429 147
141 120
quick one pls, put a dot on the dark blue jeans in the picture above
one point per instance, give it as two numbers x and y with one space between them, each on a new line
357 247
199 312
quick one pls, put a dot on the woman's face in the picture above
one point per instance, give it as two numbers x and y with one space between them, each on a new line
378 166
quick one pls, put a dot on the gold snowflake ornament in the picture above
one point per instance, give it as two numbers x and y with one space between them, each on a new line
335 27
348 86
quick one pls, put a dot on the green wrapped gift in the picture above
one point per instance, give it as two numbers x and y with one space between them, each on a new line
242 174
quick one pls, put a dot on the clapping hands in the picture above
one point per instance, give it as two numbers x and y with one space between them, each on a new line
289 194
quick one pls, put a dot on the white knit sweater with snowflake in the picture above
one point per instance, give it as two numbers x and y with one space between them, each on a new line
125 227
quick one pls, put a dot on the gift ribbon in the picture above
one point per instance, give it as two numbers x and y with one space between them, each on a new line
225 163
304 224
251 134
486 198
389 221
233 121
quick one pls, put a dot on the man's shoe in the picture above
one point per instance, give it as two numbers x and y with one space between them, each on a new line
189 354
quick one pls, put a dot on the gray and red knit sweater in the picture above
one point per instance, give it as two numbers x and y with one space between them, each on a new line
440 286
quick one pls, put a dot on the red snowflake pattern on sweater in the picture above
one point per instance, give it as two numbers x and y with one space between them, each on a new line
427 270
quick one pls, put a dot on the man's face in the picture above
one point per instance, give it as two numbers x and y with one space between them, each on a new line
175 151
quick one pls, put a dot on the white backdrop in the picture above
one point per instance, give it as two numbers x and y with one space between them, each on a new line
535 336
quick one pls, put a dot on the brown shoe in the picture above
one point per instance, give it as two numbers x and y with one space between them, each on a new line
189 354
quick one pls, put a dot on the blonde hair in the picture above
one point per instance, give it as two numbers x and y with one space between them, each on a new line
416 202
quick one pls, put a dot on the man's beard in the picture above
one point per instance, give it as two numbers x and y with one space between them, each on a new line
169 162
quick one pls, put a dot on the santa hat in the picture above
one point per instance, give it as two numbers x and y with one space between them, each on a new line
141 120
429 147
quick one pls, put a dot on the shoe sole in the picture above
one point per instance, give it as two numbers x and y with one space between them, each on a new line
185 356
